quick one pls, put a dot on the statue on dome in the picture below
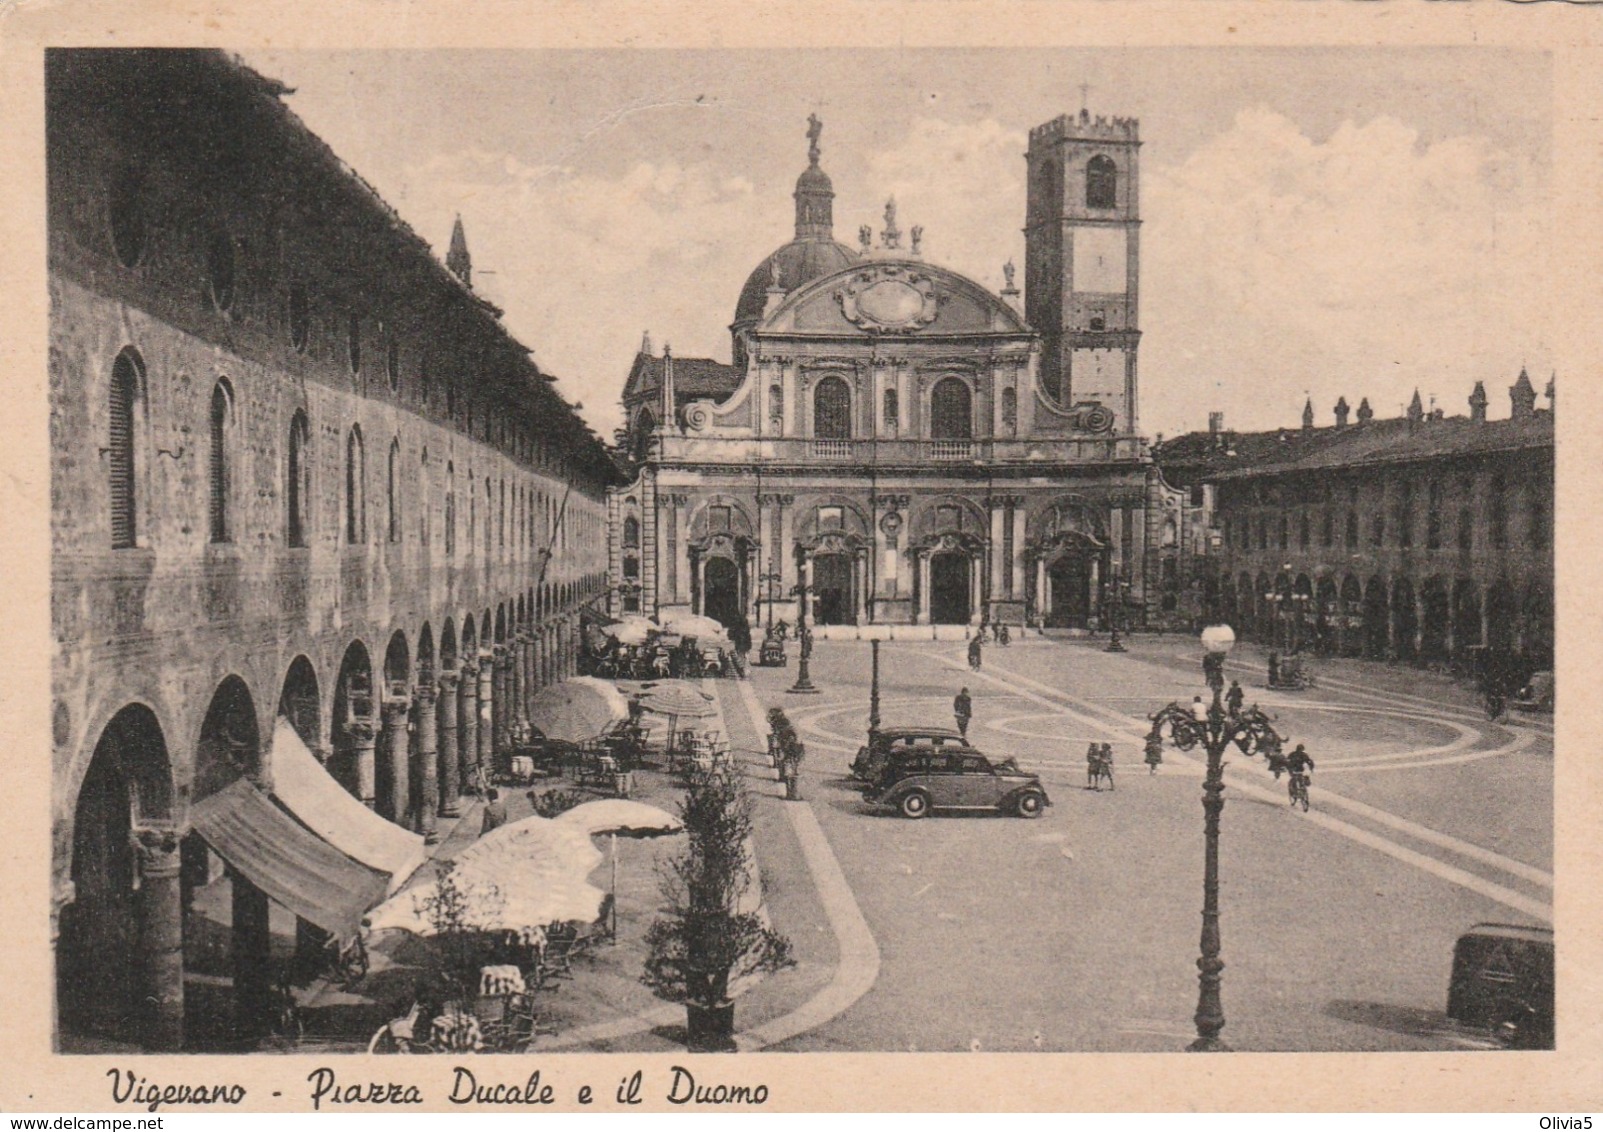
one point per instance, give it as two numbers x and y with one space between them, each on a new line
814 129
1007 273
865 236
918 237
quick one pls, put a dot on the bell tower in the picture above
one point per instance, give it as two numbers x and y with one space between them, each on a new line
1082 263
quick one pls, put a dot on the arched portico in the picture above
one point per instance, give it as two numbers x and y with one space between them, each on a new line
119 953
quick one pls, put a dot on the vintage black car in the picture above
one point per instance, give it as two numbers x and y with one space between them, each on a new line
957 778
871 758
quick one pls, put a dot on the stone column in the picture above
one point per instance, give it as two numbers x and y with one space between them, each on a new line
998 567
860 584
396 751
158 911
450 773
976 588
252 958
468 722
363 733
1016 566
427 744
515 683
922 616
486 708
503 698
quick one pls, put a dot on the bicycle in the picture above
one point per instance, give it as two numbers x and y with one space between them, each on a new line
1298 789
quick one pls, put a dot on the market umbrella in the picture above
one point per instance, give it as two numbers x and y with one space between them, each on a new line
630 632
615 816
678 700
695 625
521 876
578 709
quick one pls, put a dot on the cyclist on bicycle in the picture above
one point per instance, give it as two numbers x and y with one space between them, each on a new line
1299 763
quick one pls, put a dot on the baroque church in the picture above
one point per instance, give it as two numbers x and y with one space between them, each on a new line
902 444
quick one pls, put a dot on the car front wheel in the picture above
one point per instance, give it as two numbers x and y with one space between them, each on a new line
915 805
1029 805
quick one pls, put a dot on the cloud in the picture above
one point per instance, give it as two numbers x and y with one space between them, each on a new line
1364 265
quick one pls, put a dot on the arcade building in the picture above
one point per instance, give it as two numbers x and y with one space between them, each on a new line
909 446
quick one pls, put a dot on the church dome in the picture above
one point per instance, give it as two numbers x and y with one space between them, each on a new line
814 252
799 263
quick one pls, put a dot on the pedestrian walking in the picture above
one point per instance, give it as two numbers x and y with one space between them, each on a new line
1154 754
963 710
495 812
1234 698
1199 710
974 647
1274 669
1093 756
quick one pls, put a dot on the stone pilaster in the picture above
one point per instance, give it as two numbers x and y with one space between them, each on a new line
450 774
158 912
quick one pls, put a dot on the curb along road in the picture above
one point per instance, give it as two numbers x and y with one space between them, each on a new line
858 967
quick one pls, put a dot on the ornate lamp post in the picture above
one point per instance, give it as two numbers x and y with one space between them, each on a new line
771 583
1215 729
873 694
1299 609
1115 602
804 638
1274 598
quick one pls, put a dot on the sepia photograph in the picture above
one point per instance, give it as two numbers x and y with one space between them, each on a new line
872 549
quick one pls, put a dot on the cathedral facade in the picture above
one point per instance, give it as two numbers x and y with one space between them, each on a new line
896 441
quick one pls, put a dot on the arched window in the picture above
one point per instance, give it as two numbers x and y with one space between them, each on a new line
1497 506
1010 409
892 409
776 402
121 469
1101 183
489 518
1433 517
631 533
832 410
450 509
222 413
951 410
501 518
1405 515
355 488
298 488
394 491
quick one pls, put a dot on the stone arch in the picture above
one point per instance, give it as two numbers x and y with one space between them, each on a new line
1405 618
501 623
1327 612
810 525
448 645
1377 618
425 654
470 639
127 785
1466 616
397 661
1436 621
300 702
706 523
1352 616
355 722
229 746
486 635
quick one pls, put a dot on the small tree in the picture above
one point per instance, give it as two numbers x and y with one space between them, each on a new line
550 803
459 944
706 942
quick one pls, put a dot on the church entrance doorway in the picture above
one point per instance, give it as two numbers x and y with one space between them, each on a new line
721 602
1070 578
832 589
949 589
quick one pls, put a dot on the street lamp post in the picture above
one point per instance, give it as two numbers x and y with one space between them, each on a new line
1299 606
1274 598
873 693
804 638
1115 603
1215 729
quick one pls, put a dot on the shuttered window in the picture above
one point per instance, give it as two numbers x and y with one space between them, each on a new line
298 485
218 470
120 452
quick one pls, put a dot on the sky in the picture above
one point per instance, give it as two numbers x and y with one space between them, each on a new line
1316 222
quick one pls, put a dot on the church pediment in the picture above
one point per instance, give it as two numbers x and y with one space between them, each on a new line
893 298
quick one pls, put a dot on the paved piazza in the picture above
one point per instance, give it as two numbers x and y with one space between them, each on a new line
1079 931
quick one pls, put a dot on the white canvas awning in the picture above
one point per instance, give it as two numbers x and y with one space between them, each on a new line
328 810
